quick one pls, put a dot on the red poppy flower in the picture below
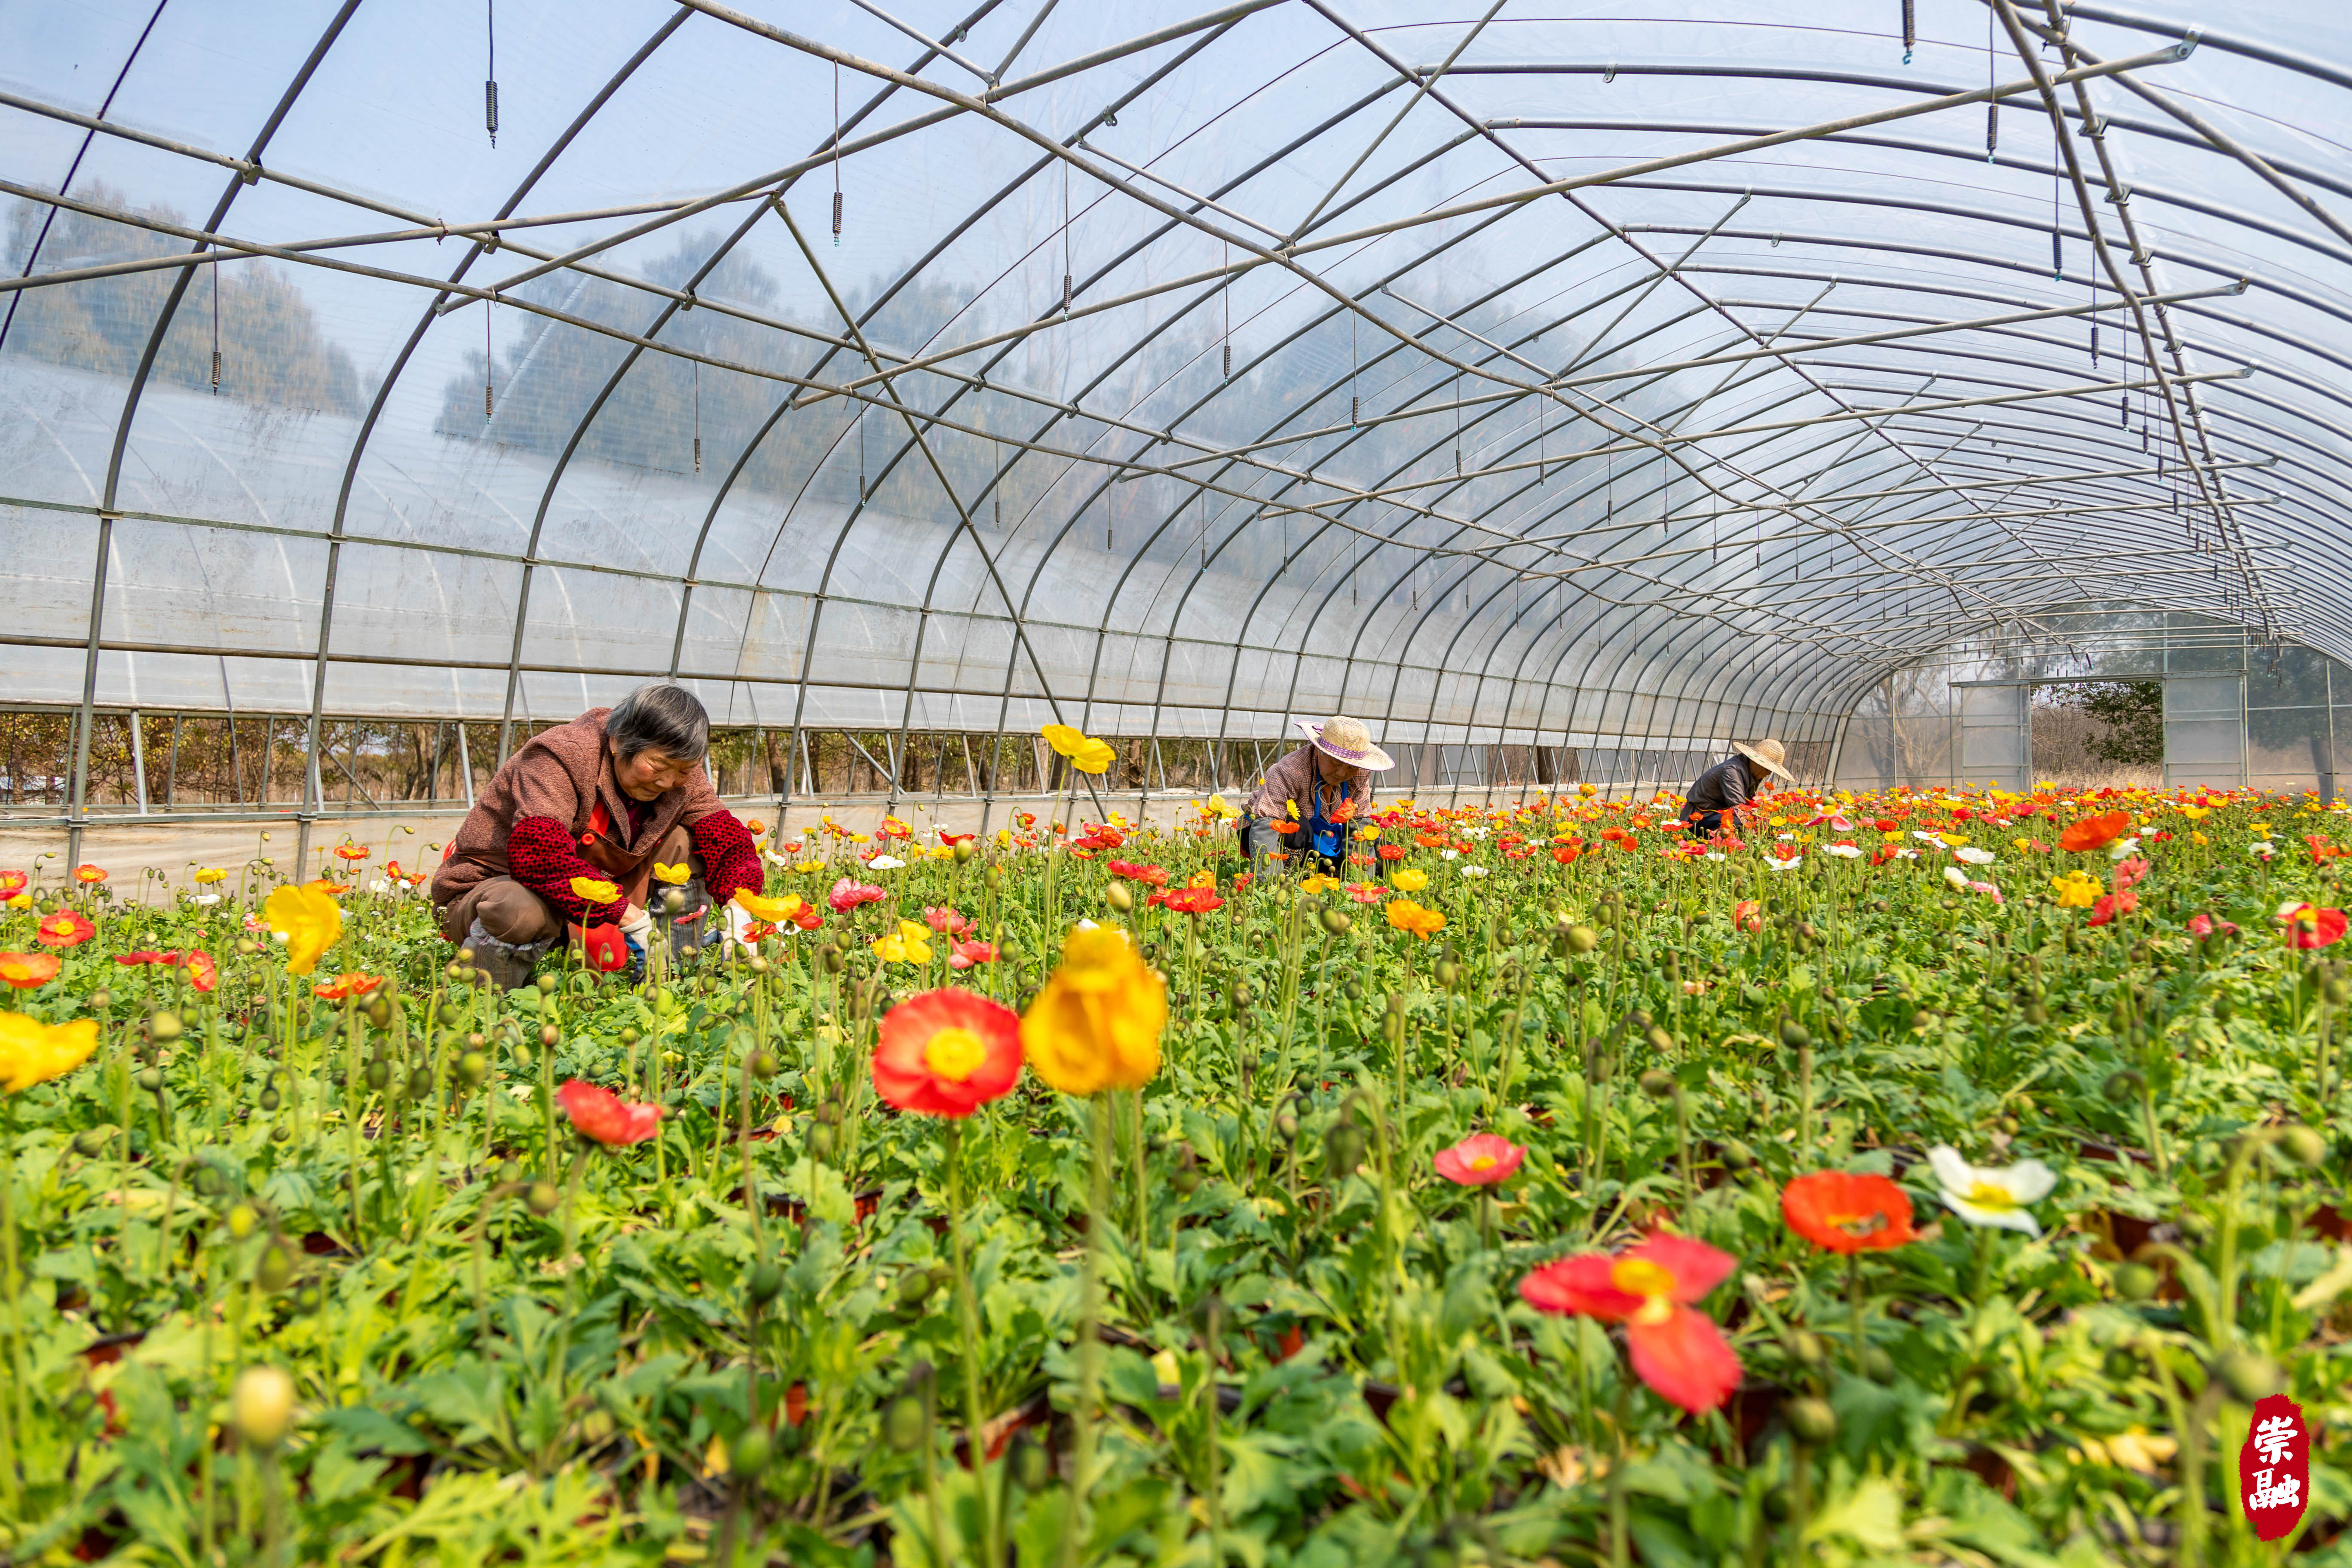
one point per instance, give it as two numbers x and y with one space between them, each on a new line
806 917
967 953
12 883
848 895
89 874
26 970
146 955
1566 854
1847 1212
1481 1160
1151 876
953 839
1651 1288
64 929
947 1053
202 973
2310 926
1748 915
1285 827
2110 905
343 987
944 920
1391 851
604 1116
2095 832
2322 851
1194 901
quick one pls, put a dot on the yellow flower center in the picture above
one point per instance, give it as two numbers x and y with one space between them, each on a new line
1985 1195
954 1054
1639 1277
1484 1162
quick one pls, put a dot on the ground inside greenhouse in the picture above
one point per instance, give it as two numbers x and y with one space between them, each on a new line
124 849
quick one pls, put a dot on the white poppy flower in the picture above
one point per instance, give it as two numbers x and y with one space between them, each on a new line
205 898
2123 849
1994 1195
1957 877
1787 864
1717 855
1474 870
1973 855
1842 851
885 863
2262 846
1906 854
1926 837
1448 854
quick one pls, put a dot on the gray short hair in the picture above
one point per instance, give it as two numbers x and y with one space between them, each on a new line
659 717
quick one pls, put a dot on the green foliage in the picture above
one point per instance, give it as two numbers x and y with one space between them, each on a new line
2134 712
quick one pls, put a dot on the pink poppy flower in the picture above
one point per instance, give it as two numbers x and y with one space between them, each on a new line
967 953
1481 1160
848 895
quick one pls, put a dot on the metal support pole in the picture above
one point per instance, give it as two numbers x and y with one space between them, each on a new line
171 771
464 766
138 763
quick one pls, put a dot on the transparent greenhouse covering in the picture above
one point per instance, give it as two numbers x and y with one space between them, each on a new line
1514 373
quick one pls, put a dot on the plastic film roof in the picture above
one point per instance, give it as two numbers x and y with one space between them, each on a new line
1517 370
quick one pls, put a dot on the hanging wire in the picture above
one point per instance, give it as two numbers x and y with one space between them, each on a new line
487 361
1067 291
1910 28
837 154
1226 254
1992 105
861 456
1354 417
490 80
2057 255
698 414
216 354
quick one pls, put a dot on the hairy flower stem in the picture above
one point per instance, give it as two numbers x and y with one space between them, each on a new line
1619 1554
1089 1346
968 1320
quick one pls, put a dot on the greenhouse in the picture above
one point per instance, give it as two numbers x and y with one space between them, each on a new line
1034 782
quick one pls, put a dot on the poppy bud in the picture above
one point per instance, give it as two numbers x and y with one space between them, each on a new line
1582 939
420 1083
1119 899
549 1035
543 1198
914 1287
2306 1145
475 1069
1657 1083
1793 1034
964 850
2249 1377
1033 1467
247 947
101 998
547 984
261 1407
1660 1040
674 901
275 1268
1393 1027
1812 1420
2121 1086
2135 1281
763 1283
763 1064
750 1453
1806 1346
903 1423
379 1011
1338 921
820 1141
163 1027
378 1073
1343 1147
151 1078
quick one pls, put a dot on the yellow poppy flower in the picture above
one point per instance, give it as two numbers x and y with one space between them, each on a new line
673 875
211 874
595 890
1410 881
775 911
2075 890
1096 1023
1086 755
32 1052
310 920
910 943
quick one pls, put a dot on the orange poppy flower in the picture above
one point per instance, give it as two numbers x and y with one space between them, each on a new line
350 852
947 1053
12 883
26 970
1194 901
90 874
64 929
1847 1212
342 987
2095 832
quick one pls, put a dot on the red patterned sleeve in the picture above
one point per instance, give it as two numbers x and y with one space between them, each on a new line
730 862
542 857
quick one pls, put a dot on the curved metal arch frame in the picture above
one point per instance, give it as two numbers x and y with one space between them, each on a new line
320 673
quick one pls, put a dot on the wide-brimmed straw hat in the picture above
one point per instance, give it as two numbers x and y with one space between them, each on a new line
1348 740
1768 754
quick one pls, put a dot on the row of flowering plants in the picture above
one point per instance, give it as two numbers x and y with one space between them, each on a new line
1930 1175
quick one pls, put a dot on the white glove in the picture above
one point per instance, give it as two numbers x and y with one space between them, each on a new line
739 924
637 925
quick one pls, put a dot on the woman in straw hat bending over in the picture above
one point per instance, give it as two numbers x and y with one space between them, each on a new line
1308 799
1718 794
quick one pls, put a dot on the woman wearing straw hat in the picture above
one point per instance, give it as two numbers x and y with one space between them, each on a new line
1319 787
1717 795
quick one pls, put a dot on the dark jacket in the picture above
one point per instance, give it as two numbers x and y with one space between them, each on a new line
1721 787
